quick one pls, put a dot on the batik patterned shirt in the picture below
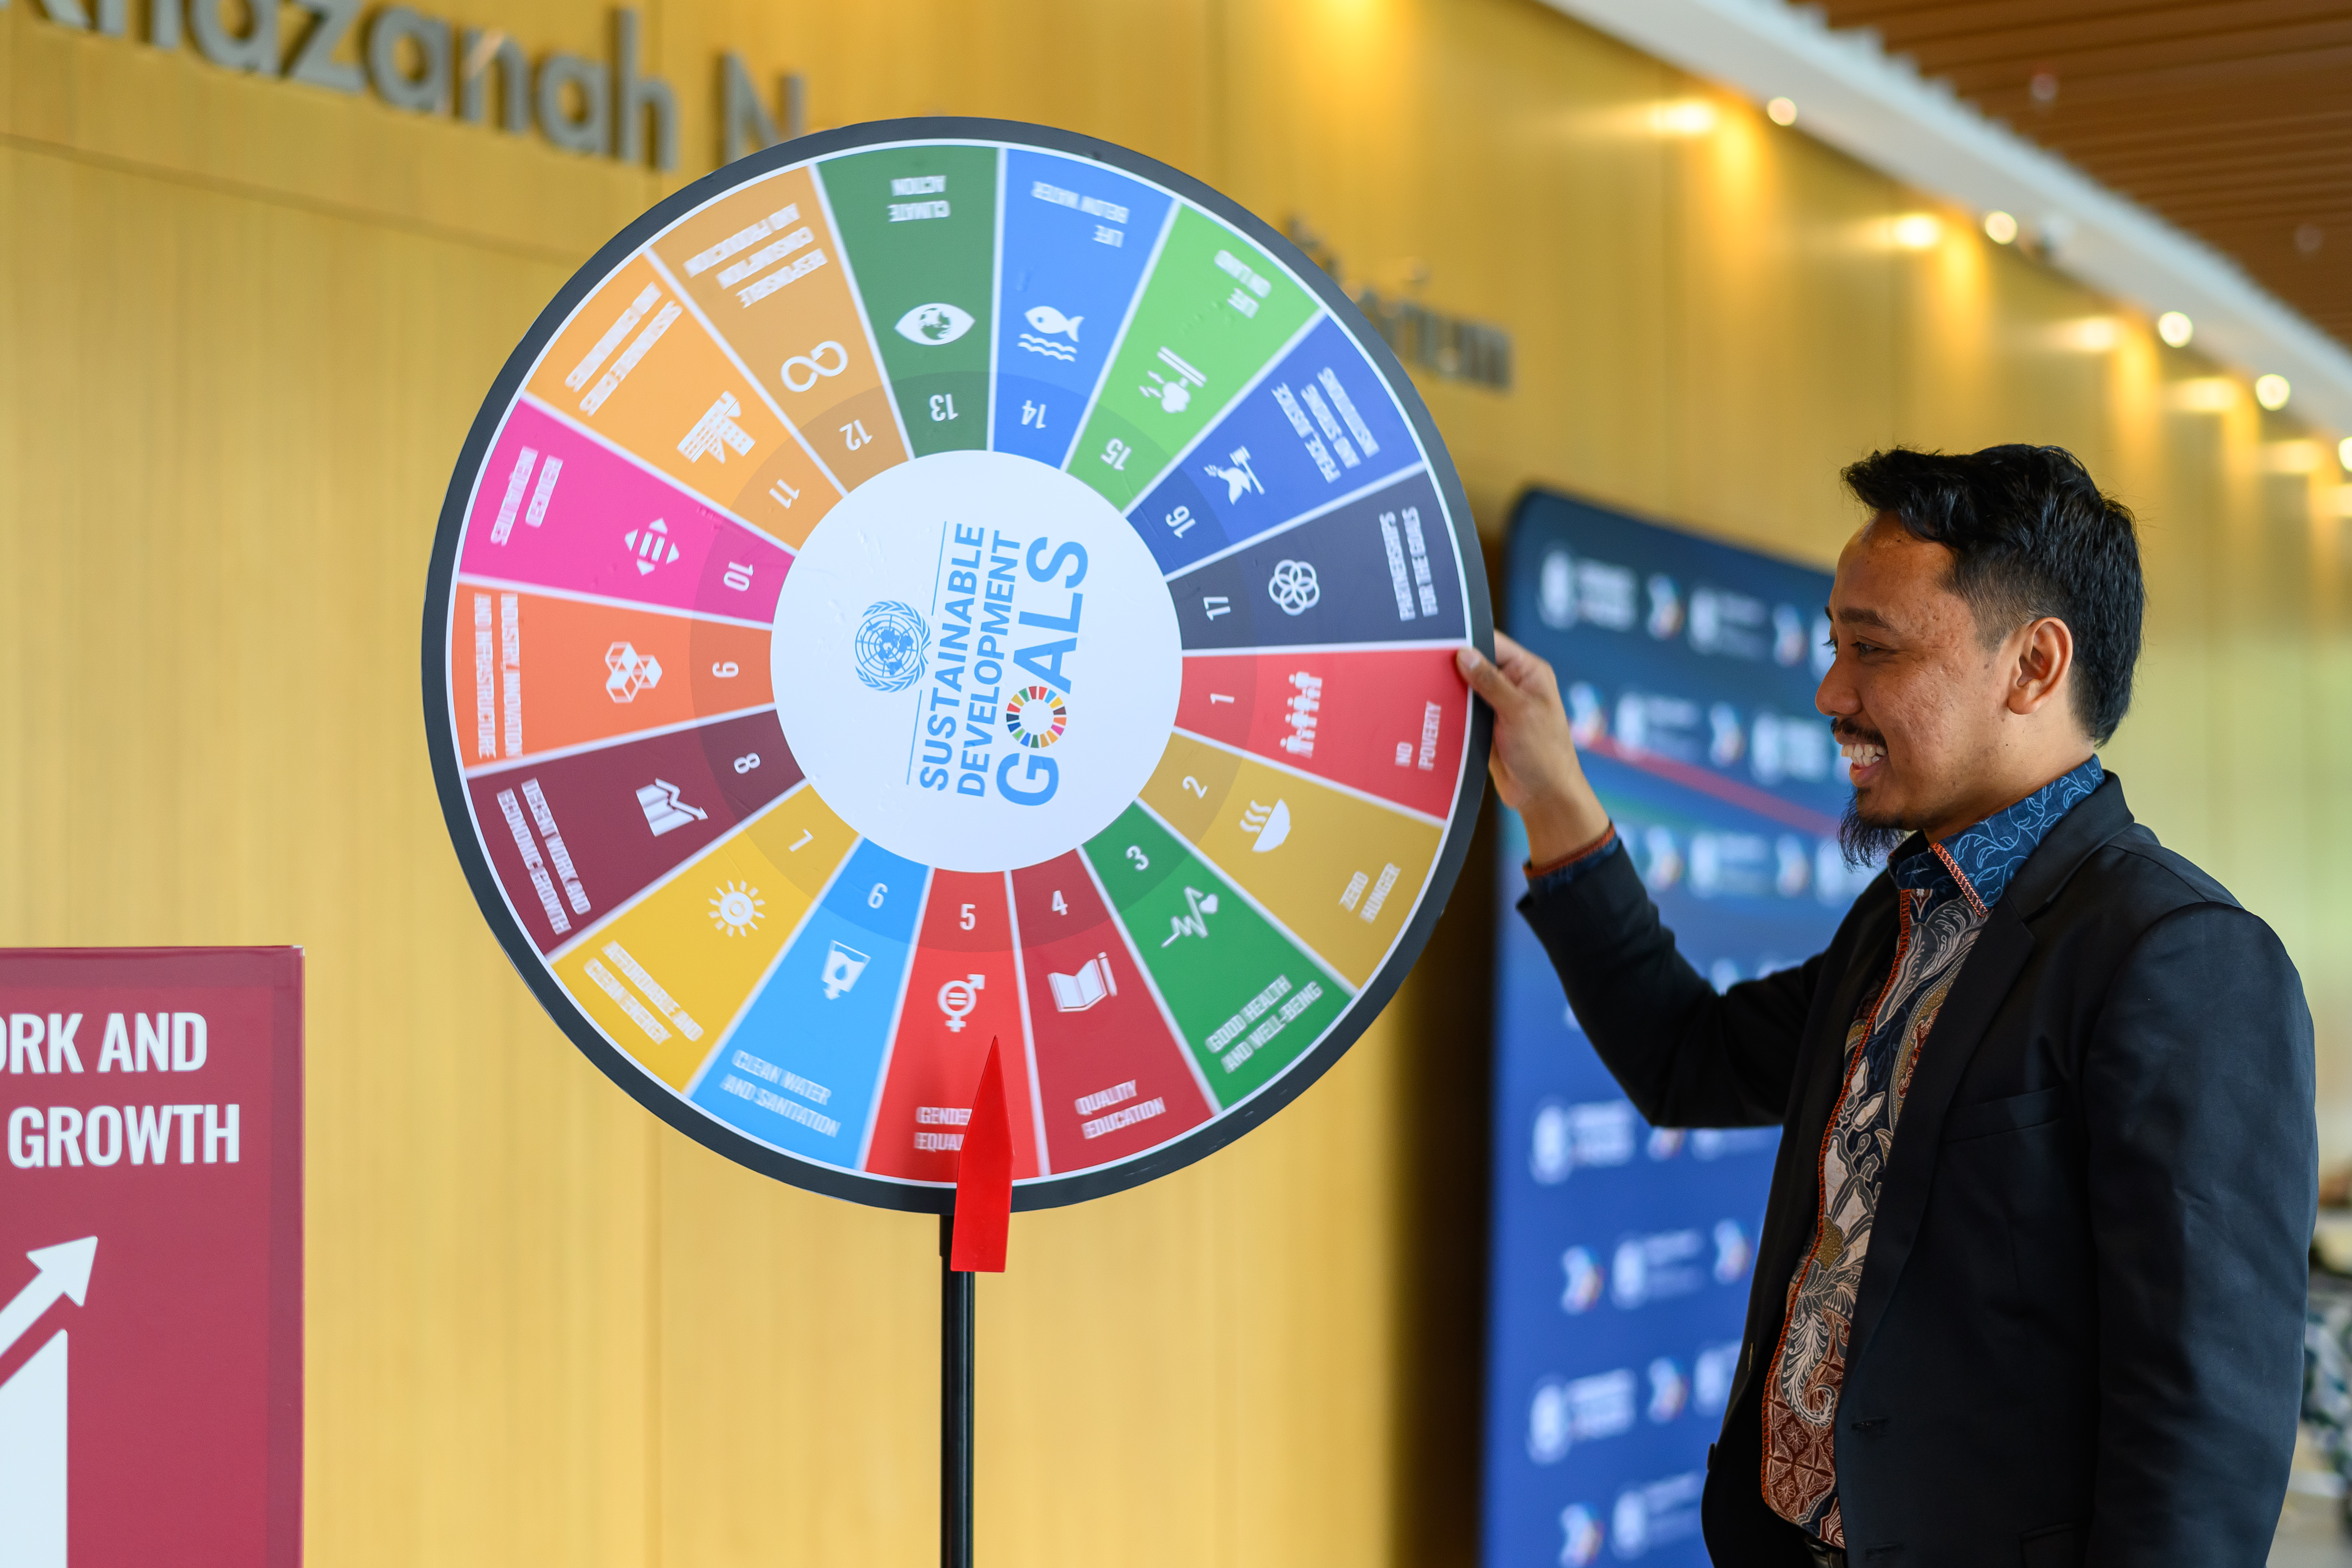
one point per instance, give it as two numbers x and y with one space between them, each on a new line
1943 893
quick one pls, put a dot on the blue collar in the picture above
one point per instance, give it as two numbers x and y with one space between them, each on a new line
1978 860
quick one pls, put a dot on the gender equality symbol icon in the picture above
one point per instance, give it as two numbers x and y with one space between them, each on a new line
1033 517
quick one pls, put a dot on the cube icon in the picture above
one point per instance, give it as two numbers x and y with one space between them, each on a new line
629 672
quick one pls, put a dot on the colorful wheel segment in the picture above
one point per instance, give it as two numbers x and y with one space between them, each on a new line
950 582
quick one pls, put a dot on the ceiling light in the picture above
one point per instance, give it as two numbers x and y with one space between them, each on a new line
2344 453
2272 392
2203 395
1686 117
2000 227
2090 335
1781 112
2174 328
1918 231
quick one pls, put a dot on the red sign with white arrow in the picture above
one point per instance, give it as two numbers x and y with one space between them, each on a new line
150 1257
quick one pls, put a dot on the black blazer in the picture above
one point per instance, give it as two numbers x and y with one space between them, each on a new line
2079 1331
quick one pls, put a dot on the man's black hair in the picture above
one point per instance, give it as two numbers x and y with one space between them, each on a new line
2031 536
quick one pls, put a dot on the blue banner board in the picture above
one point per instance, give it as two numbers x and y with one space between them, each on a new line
1619 1251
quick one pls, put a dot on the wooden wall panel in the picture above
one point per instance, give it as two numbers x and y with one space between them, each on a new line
243 325
227 420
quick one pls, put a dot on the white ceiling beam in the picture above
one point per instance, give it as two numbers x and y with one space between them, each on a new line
1851 94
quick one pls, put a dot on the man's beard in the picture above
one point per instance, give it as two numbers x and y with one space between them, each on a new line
1866 843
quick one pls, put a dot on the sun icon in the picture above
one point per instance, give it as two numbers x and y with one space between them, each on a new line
737 908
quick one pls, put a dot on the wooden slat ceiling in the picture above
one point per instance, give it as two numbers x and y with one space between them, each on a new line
2232 118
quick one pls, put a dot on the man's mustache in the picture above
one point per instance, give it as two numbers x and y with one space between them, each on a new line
1848 733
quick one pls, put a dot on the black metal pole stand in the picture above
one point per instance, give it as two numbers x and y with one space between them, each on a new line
957 1299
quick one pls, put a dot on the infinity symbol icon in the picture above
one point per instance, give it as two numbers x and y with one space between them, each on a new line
815 361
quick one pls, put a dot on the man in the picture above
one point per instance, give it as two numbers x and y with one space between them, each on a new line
2031 1283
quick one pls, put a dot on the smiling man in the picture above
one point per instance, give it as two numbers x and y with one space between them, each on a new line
2031 1283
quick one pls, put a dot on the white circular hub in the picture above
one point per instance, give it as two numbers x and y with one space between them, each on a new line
976 661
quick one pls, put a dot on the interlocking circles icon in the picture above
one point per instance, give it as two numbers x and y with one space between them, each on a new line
890 644
814 363
1293 586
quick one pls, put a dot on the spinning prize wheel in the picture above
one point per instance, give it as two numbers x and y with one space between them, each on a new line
948 580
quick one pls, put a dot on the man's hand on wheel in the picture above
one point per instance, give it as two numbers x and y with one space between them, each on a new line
1534 760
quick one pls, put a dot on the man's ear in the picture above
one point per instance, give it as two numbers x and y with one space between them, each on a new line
2045 660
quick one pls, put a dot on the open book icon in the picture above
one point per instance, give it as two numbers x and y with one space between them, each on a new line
1092 982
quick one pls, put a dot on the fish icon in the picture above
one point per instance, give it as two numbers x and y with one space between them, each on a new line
1046 319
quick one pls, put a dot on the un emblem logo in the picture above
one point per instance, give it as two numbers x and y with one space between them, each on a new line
891 642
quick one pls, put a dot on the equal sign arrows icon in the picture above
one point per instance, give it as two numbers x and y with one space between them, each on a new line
33 1412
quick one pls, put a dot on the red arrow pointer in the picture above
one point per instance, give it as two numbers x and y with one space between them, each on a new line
983 1205
64 1271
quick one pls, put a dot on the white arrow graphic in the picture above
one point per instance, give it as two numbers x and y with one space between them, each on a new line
64 1271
